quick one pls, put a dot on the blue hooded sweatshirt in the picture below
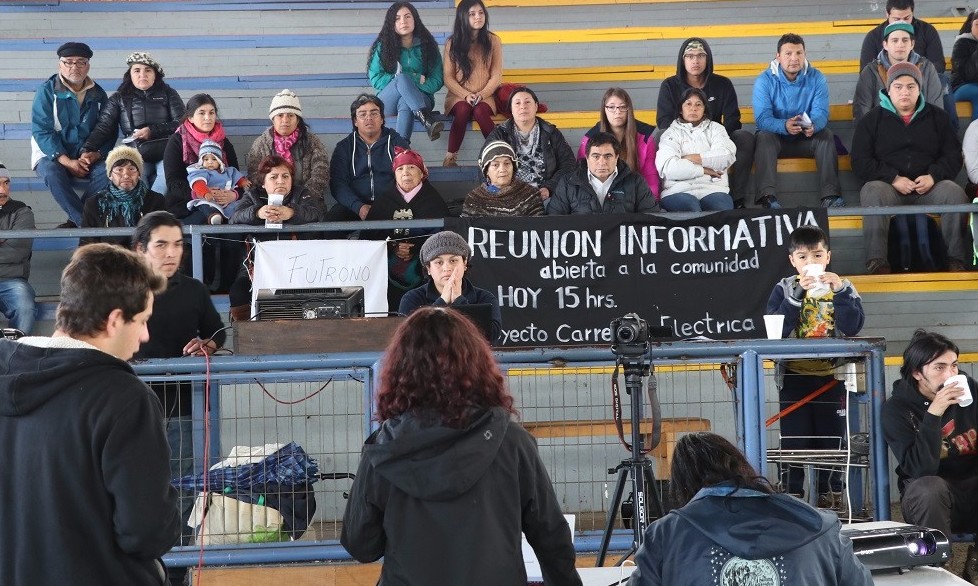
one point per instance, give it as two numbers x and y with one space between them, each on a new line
776 99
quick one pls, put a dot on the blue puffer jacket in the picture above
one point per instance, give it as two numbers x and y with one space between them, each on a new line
776 99
59 124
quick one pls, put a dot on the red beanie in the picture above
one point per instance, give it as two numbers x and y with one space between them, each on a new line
403 156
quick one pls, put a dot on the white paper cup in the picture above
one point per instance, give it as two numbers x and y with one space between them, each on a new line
961 381
774 324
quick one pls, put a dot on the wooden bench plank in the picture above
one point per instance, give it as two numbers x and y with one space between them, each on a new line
606 427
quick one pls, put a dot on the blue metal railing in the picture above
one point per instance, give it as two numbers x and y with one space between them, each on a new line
749 355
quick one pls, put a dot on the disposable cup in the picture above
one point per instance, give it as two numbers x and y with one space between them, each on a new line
774 324
961 381
816 270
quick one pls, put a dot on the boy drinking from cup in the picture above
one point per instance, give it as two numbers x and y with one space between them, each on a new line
816 304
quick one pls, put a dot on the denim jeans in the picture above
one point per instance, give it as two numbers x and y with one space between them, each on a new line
17 303
685 202
154 176
403 97
180 437
62 185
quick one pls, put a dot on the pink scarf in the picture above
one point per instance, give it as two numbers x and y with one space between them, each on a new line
283 144
192 138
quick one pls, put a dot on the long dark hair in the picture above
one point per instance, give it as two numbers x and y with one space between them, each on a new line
438 360
629 150
925 347
966 27
462 39
390 43
704 459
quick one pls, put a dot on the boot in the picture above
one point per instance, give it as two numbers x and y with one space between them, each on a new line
434 127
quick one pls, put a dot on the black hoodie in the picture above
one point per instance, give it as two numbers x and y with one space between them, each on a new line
925 444
446 506
86 470
720 94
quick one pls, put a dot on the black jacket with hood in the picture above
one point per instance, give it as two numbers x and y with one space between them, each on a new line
721 536
86 488
720 94
925 444
446 506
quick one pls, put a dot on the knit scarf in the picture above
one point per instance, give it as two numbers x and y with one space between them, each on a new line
122 204
192 138
283 144
516 199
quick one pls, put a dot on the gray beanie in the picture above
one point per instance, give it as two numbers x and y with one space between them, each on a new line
901 69
446 242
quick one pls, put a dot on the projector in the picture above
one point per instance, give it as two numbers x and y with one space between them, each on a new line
888 546
329 303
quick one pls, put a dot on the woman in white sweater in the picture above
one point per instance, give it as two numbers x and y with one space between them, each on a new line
693 157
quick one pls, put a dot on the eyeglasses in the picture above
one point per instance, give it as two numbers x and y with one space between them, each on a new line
77 63
695 56
618 109
368 114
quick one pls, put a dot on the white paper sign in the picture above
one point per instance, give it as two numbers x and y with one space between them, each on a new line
315 264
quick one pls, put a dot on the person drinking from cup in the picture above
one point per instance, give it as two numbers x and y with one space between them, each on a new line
929 423
816 304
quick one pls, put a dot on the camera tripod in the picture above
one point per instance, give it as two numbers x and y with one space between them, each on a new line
638 467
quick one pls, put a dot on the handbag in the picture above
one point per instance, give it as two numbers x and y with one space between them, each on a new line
152 150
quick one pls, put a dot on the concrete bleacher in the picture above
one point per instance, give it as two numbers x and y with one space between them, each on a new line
568 51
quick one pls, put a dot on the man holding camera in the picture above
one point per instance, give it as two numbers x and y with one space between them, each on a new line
791 110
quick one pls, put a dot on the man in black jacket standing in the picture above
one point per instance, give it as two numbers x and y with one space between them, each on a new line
184 323
86 488
908 154
932 435
602 184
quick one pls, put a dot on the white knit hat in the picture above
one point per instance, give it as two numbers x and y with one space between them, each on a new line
121 154
284 101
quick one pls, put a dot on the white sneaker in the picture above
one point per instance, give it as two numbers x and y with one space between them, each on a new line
215 219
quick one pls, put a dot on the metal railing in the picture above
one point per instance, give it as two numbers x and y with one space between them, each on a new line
236 380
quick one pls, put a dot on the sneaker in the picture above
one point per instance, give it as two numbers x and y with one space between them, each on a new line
740 204
769 202
838 502
956 266
66 224
970 572
877 266
833 201
215 219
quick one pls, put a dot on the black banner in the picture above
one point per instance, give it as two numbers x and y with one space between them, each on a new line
560 280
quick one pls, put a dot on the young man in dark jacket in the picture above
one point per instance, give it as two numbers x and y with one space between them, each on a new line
932 436
86 488
360 169
694 68
908 154
602 184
